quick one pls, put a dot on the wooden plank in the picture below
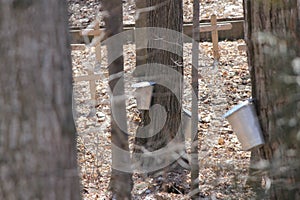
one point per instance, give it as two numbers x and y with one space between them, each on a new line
92 85
79 47
90 77
90 32
98 53
98 45
242 47
236 32
221 27
215 37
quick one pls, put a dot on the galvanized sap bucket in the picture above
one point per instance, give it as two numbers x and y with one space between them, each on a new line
187 122
244 122
143 94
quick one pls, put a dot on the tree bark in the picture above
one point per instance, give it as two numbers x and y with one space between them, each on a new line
194 118
141 35
121 182
273 39
37 131
152 135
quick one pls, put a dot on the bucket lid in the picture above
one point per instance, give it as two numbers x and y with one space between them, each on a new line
143 84
236 108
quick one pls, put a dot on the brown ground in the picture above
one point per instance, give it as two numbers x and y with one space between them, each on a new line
223 166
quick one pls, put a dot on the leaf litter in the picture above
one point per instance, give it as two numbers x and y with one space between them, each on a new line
223 165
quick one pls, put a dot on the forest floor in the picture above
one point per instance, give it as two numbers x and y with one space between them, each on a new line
223 164
82 13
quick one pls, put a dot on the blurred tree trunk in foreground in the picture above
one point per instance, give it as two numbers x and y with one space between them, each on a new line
37 131
273 39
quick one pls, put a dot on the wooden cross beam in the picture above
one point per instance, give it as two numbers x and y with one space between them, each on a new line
91 77
76 47
242 47
94 30
214 28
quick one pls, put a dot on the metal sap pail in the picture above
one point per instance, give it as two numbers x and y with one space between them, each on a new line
244 122
143 94
187 122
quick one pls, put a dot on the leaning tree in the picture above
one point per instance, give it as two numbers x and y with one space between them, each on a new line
273 39
121 182
37 131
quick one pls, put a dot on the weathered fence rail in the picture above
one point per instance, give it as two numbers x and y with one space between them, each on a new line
236 32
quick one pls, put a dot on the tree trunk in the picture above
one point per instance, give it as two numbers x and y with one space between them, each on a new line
273 39
160 125
121 182
194 118
37 131
141 35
